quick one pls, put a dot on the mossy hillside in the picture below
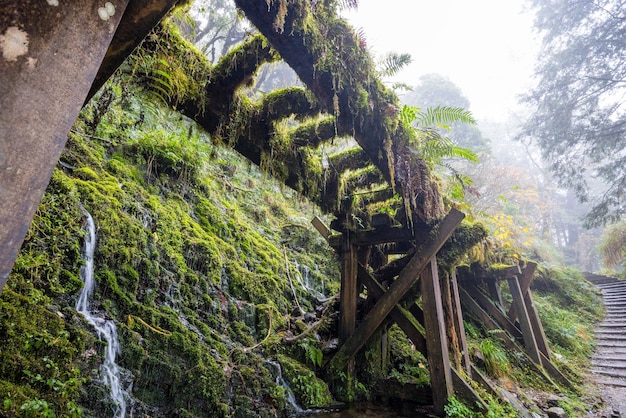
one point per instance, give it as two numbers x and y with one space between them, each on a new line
193 251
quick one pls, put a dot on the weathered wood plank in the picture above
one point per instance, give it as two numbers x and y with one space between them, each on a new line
349 291
401 316
436 340
466 392
450 324
403 283
458 322
493 286
321 227
526 279
527 330
486 304
348 295
470 304
540 335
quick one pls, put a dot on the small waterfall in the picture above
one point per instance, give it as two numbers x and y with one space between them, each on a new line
280 381
106 329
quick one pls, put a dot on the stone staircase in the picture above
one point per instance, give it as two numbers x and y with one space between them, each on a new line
609 360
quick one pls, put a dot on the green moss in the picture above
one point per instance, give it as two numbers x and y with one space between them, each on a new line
310 391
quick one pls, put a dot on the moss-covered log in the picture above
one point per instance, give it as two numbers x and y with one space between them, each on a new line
330 59
314 132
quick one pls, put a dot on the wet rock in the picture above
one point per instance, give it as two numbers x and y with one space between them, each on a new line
309 317
557 412
330 345
553 400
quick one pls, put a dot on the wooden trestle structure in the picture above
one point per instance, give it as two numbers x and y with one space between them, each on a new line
436 327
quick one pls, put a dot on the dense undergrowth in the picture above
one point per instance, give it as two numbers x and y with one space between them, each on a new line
207 267
198 255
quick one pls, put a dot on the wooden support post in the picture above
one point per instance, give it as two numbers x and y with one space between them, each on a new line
527 330
493 286
436 340
348 298
524 283
403 283
405 320
408 323
486 304
470 304
450 323
348 293
458 322
535 321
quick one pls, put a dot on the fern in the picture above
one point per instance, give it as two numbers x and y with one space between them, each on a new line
392 63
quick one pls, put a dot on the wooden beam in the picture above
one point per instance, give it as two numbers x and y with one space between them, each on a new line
405 320
448 311
458 322
403 283
540 335
465 391
508 341
50 58
348 295
436 340
527 330
493 286
349 290
321 227
526 279
499 316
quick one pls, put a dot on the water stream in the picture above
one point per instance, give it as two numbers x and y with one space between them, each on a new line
280 381
105 329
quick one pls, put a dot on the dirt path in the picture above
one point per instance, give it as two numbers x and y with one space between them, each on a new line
609 361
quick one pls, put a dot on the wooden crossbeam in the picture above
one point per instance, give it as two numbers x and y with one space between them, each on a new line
403 317
376 236
487 305
458 322
530 342
529 303
403 283
547 372
407 322
437 342
526 279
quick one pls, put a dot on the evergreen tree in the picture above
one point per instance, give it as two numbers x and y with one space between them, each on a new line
579 118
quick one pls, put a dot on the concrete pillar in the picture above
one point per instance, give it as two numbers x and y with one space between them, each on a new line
50 51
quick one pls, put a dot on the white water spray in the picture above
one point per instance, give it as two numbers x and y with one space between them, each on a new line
110 371
280 381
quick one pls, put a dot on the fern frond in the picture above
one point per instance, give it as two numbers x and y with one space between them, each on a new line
439 147
408 114
442 116
348 4
392 63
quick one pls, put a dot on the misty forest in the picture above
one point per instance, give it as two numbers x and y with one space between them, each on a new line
250 218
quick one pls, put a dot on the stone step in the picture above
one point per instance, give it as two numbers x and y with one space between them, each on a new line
611 372
611 337
609 344
600 332
609 360
610 381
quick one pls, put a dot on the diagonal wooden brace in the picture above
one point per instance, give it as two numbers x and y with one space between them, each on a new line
404 282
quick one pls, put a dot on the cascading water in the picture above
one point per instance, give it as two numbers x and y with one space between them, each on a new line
280 381
110 371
